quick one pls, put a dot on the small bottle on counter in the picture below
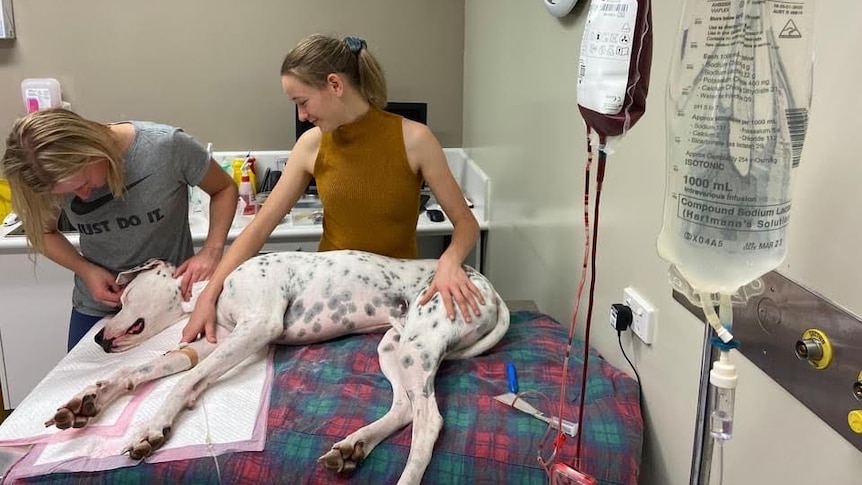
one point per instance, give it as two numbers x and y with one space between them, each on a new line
246 195
245 166
236 166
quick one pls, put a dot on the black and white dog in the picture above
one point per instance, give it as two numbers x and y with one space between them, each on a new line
297 298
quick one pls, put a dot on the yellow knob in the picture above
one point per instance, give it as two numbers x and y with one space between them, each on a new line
854 419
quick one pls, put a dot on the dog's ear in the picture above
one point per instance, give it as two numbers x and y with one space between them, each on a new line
126 276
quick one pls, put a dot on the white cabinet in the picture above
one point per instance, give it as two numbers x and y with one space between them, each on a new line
34 322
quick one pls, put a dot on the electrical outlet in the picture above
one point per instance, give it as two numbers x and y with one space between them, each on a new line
643 315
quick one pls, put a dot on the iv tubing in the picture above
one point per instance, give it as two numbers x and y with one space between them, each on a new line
712 318
702 449
725 311
720 444
560 437
600 177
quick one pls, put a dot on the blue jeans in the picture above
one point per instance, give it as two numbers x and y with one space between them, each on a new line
79 325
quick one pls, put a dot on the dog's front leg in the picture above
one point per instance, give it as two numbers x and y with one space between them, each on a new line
88 403
249 336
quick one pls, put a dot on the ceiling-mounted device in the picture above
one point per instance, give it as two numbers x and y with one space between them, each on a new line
560 8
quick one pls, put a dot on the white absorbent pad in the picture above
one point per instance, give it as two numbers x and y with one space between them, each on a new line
230 415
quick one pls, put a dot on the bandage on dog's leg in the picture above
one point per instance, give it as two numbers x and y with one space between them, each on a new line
190 353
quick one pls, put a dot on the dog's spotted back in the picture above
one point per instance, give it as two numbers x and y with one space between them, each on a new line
330 294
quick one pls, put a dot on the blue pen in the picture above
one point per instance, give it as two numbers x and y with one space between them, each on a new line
513 378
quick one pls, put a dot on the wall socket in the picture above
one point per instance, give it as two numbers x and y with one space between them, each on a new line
643 315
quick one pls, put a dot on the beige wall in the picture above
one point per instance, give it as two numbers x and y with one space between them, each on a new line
522 126
212 66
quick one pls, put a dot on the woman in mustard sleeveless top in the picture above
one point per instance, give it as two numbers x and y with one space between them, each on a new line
369 166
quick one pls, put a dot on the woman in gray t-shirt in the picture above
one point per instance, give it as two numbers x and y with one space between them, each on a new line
124 187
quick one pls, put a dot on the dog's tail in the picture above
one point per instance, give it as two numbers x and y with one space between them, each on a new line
490 339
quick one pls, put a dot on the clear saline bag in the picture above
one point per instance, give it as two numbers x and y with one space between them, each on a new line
737 110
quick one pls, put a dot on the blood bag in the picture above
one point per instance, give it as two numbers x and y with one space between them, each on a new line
737 112
614 65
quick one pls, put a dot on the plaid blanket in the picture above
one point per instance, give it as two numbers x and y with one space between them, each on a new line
323 392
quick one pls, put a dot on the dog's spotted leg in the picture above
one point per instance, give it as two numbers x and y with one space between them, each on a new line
349 452
419 358
246 339
78 411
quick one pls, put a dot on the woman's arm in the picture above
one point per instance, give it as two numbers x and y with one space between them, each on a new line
223 199
290 187
425 154
100 282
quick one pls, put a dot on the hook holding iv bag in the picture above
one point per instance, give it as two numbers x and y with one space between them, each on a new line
737 112
559 8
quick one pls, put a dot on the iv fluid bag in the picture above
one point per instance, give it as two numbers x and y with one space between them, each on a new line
737 112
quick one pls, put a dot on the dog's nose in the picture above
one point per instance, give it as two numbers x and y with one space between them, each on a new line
100 340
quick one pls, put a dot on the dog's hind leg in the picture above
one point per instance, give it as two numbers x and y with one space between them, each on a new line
347 453
249 336
418 360
88 403
410 365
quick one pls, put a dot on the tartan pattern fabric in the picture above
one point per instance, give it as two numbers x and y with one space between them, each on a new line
323 392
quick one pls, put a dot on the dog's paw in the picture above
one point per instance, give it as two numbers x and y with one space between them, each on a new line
75 413
88 403
343 457
146 443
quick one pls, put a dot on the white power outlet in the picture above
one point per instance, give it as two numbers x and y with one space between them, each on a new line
643 315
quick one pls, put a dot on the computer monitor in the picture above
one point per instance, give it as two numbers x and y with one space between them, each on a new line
411 110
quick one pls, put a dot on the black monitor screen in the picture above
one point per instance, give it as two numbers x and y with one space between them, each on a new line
412 111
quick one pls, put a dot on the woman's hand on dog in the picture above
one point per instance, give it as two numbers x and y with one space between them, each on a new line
203 318
197 268
455 288
102 285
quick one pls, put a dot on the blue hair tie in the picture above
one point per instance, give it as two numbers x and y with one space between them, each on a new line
355 44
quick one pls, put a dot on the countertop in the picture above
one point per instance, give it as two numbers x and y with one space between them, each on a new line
299 227
296 227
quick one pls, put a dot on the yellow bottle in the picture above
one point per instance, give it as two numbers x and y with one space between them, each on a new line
238 165
237 170
5 198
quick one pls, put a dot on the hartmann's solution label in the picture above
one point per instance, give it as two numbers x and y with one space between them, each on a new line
728 216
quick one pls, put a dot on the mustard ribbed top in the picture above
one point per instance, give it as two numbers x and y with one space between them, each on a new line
369 193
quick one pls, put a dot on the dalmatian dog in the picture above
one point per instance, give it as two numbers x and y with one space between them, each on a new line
298 298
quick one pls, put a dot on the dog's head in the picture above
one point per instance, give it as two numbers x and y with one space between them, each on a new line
151 302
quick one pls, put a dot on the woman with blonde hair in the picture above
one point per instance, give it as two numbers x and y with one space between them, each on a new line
124 187
369 166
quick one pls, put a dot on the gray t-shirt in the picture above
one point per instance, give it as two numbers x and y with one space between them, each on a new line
151 219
